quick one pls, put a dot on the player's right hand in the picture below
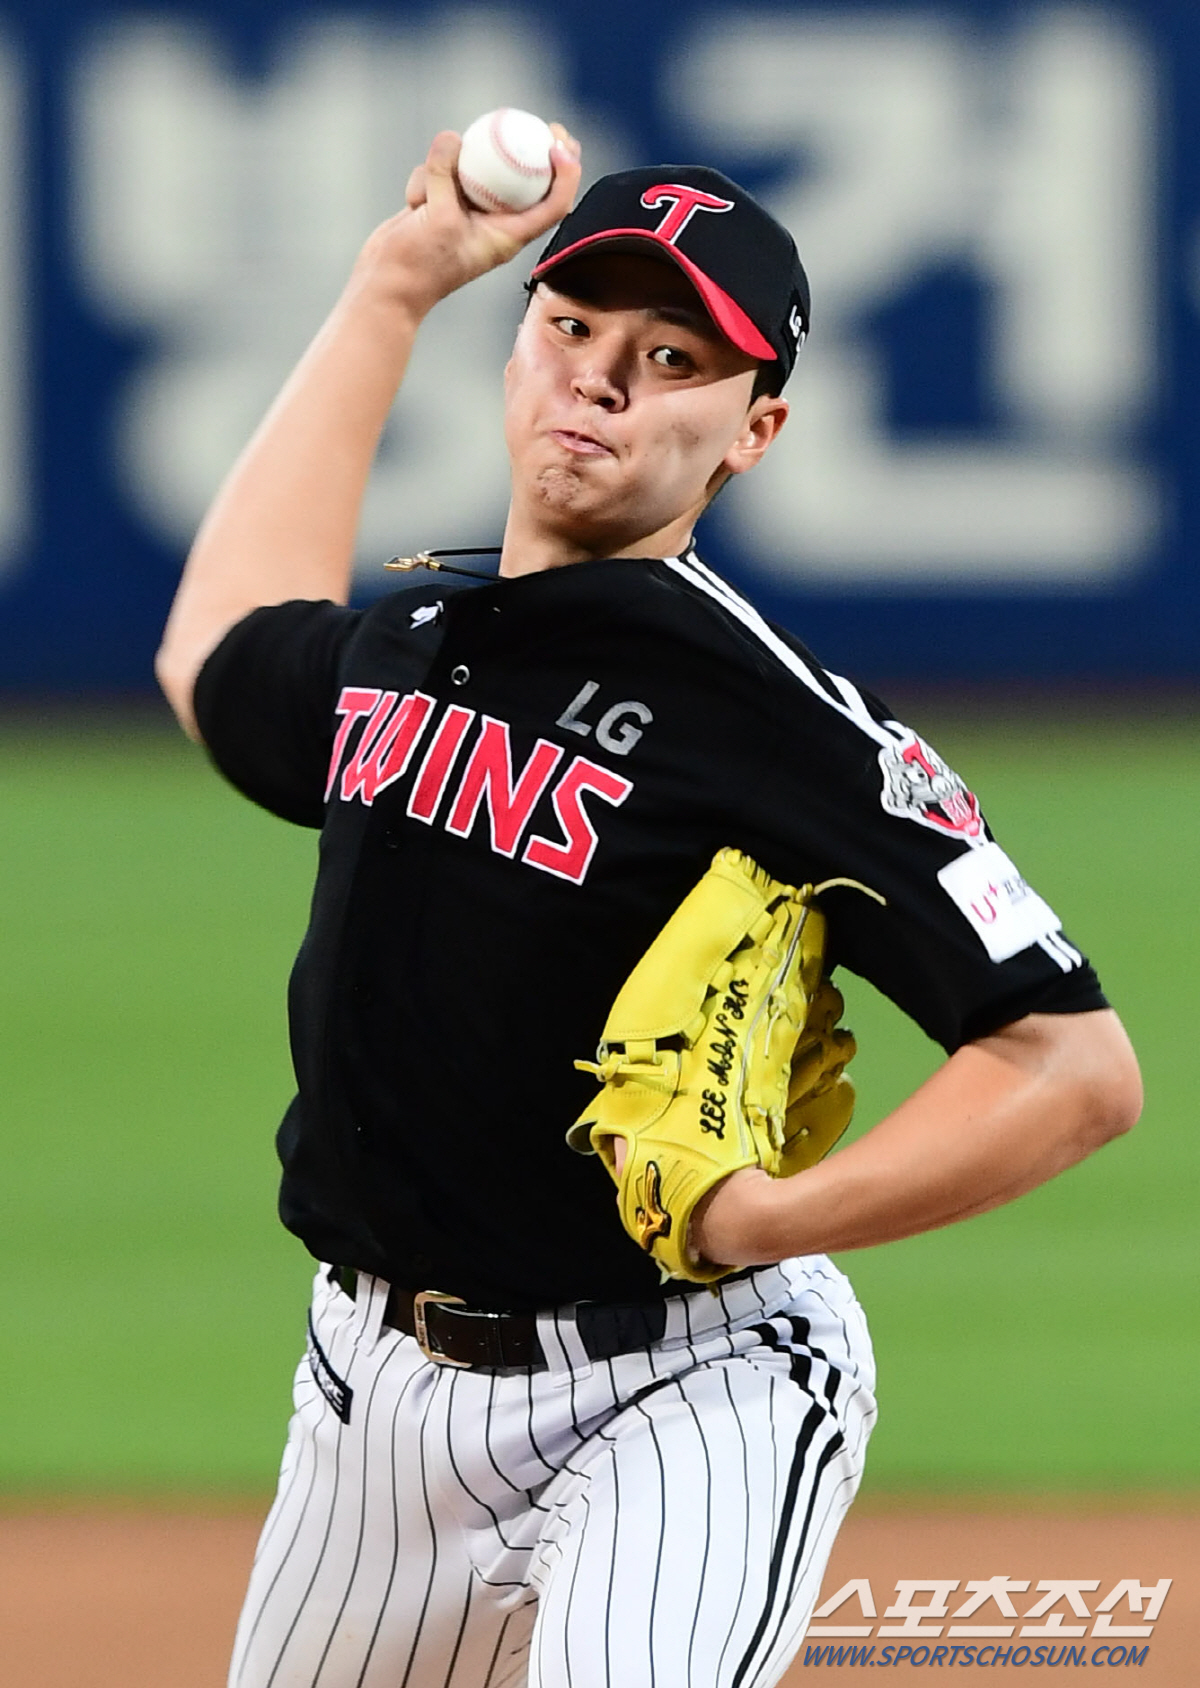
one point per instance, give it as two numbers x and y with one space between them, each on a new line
440 241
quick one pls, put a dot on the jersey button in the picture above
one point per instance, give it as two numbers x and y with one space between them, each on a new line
460 675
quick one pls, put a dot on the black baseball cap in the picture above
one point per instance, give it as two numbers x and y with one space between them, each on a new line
741 261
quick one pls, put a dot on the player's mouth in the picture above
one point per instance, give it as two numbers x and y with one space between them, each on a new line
584 445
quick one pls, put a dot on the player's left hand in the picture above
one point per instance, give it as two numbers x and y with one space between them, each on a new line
721 1052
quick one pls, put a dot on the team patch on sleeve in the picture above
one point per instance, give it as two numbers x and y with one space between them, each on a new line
919 786
1005 912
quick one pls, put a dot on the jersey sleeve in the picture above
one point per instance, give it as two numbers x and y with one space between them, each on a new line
264 703
961 942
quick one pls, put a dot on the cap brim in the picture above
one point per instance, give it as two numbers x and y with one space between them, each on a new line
728 315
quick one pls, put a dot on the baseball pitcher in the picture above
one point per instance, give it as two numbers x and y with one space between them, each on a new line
583 1400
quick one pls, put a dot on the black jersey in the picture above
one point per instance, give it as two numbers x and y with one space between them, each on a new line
516 783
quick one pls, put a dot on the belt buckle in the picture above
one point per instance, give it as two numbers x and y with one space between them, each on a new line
421 1330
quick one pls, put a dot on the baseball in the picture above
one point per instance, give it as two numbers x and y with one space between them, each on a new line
505 164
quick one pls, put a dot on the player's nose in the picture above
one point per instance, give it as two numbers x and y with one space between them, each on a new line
598 387
602 380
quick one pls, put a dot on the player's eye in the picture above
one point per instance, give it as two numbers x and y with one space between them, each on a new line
572 327
670 357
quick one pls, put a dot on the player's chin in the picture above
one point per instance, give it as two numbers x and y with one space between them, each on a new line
574 489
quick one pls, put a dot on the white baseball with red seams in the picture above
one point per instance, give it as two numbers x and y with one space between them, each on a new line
505 164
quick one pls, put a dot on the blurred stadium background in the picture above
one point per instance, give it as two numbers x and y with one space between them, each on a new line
986 506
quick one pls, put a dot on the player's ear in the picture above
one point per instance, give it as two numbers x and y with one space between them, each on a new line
512 356
765 417
530 293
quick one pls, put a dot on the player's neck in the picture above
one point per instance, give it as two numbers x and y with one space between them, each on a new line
531 546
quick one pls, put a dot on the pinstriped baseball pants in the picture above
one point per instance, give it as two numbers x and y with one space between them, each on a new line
661 1519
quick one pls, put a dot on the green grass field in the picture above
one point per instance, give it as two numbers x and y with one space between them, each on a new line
153 1308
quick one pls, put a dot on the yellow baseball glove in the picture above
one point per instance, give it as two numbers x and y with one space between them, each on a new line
721 1051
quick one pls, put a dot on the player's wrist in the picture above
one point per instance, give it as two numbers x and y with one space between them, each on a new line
416 259
391 286
735 1223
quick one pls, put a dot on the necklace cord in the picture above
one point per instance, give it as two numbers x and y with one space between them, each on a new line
429 560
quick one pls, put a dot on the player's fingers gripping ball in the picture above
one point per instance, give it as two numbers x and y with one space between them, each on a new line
504 164
722 1051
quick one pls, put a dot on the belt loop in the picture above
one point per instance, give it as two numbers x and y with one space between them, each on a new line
678 1326
370 1306
566 1357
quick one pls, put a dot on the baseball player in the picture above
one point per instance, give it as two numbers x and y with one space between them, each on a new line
519 1453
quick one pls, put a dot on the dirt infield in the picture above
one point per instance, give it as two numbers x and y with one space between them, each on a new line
118 1598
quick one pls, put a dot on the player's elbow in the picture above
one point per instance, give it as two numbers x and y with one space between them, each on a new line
1124 1094
1098 1065
1082 1078
177 680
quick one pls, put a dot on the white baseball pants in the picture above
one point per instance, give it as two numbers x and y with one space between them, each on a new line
660 1519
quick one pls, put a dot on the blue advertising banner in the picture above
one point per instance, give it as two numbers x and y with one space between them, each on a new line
990 471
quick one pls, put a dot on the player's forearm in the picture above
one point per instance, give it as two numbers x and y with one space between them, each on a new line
1002 1116
284 523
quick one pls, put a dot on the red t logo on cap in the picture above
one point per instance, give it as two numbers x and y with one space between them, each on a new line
684 203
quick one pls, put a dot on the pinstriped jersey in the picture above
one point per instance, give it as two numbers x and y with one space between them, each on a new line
516 782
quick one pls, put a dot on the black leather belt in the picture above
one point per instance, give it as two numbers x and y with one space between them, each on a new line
453 1334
